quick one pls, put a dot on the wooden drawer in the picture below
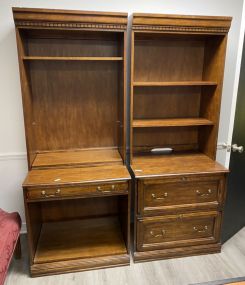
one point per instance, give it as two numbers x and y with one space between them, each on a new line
75 191
178 230
185 192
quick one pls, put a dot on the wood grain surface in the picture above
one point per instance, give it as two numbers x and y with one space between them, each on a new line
179 164
77 157
79 239
70 176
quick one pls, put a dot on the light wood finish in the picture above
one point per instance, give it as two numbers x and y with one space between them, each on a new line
98 237
71 176
77 192
189 270
176 83
67 58
179 164
78 157
171 122
177 65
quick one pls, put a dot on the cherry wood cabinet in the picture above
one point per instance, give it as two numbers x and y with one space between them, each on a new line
177 65
77 192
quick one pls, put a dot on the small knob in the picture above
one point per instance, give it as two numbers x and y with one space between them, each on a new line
113 187
43 192
99 188
57 191
236 148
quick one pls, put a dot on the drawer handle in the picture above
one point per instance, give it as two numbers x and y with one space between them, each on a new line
199 230
106 191
204 194
44 195
154 196
163 232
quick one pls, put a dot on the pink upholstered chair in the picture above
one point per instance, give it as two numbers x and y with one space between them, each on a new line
10 224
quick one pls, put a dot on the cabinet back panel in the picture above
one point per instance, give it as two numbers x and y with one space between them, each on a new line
74 104
179 139
168 60
166 102
79 208
74 43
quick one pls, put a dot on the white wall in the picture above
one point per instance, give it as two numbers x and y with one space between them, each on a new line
12 142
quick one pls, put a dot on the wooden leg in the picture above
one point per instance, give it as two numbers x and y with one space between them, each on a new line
17 251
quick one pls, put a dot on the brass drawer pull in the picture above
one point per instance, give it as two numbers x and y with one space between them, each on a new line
106 191
204 194
154 196
44 195
163 232
199 230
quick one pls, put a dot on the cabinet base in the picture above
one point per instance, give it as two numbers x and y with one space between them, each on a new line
75 265
176 252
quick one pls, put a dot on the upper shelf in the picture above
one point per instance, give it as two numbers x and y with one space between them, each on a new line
72 58
175 122
175 83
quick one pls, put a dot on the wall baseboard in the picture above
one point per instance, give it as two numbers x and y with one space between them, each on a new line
13 156
23 228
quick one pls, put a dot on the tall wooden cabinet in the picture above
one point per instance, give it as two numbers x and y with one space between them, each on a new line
177 65
72 69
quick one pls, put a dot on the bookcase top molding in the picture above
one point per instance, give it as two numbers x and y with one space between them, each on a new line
69 19
181 24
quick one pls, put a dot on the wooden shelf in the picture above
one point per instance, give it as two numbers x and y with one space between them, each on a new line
175 83
72 58
76 239
177 122
76 175
82 157
183 163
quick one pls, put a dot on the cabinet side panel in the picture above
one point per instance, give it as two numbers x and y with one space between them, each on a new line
211 98
26 101
122 102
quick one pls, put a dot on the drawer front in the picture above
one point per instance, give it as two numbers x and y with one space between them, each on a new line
186 192
74 191
178 230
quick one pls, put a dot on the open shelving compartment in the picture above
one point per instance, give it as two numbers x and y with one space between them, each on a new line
74 77
177 64
175 91
72 68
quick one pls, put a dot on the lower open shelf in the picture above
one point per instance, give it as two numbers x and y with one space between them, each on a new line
78 239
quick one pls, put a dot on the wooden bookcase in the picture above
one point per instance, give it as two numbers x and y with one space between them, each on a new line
177 65
72 69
